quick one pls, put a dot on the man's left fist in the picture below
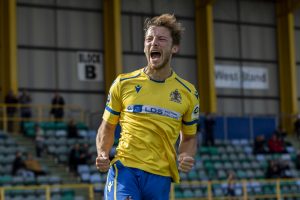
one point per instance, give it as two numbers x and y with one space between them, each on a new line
185 162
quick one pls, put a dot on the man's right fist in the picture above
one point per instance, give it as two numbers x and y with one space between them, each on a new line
103 162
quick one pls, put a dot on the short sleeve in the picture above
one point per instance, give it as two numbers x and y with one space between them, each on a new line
113 104
190 118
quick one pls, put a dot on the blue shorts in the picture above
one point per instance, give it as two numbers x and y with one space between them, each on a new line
126 183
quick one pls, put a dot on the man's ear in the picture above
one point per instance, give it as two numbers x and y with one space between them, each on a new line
175 49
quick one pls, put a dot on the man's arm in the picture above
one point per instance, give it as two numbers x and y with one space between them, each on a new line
104 142
187 150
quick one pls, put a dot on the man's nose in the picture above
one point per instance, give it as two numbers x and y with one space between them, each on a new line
155 42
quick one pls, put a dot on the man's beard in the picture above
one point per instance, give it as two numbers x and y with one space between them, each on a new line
163 64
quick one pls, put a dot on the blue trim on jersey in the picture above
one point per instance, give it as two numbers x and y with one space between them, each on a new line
156 80
183 84
112 111
190 123
123 79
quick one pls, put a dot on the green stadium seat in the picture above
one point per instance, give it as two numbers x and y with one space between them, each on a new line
259 174
198 164
242 157
217 190
193 175
10 142
203 176
215 158
239 149
250 174
60 126
54 179
17 180
228 165
212 174
178 194
213 151
188 193
29 180
30 132
224 157
81 126
6 179
198 193
230 149
222 175
237 165
42 180
218 165
29 125
183 176
233 157
269 189
254 164
241 174
61 150
208 165
204 150
61 142
61 133
50 141
63 159
49 126
221 150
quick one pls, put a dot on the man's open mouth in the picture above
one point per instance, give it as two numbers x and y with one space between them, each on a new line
155 55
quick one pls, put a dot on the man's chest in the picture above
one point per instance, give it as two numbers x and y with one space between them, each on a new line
155 95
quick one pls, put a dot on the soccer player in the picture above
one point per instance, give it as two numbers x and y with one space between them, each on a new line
153 106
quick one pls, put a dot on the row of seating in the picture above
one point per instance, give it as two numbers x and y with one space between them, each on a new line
216 162
56 128
220 190
7 180
69 141
90 174
57 194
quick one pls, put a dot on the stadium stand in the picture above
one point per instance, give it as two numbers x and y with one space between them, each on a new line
208 178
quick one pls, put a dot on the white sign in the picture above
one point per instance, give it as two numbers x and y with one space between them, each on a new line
90 66
238 77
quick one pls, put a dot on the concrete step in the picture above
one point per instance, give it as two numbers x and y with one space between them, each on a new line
49 161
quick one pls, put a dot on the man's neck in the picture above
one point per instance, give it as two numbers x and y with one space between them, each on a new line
158 74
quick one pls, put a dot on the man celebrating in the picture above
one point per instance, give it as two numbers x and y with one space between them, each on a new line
153 106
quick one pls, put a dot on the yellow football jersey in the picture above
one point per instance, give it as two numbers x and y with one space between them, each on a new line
151 114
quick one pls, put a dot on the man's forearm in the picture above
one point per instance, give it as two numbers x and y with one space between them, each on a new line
105 138
188 145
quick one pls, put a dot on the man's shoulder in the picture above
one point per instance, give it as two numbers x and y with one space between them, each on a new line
130 75
188 85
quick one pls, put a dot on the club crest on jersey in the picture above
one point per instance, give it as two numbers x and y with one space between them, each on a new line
138 88
175 96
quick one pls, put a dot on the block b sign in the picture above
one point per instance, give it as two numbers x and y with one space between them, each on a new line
90 66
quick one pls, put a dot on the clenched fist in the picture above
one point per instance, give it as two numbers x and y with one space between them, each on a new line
185 162
103 162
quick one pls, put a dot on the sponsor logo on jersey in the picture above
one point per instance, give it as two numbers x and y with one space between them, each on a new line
175 96
153 110
138 88
195 114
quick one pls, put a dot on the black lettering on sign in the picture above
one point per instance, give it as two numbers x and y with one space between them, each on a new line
90 72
